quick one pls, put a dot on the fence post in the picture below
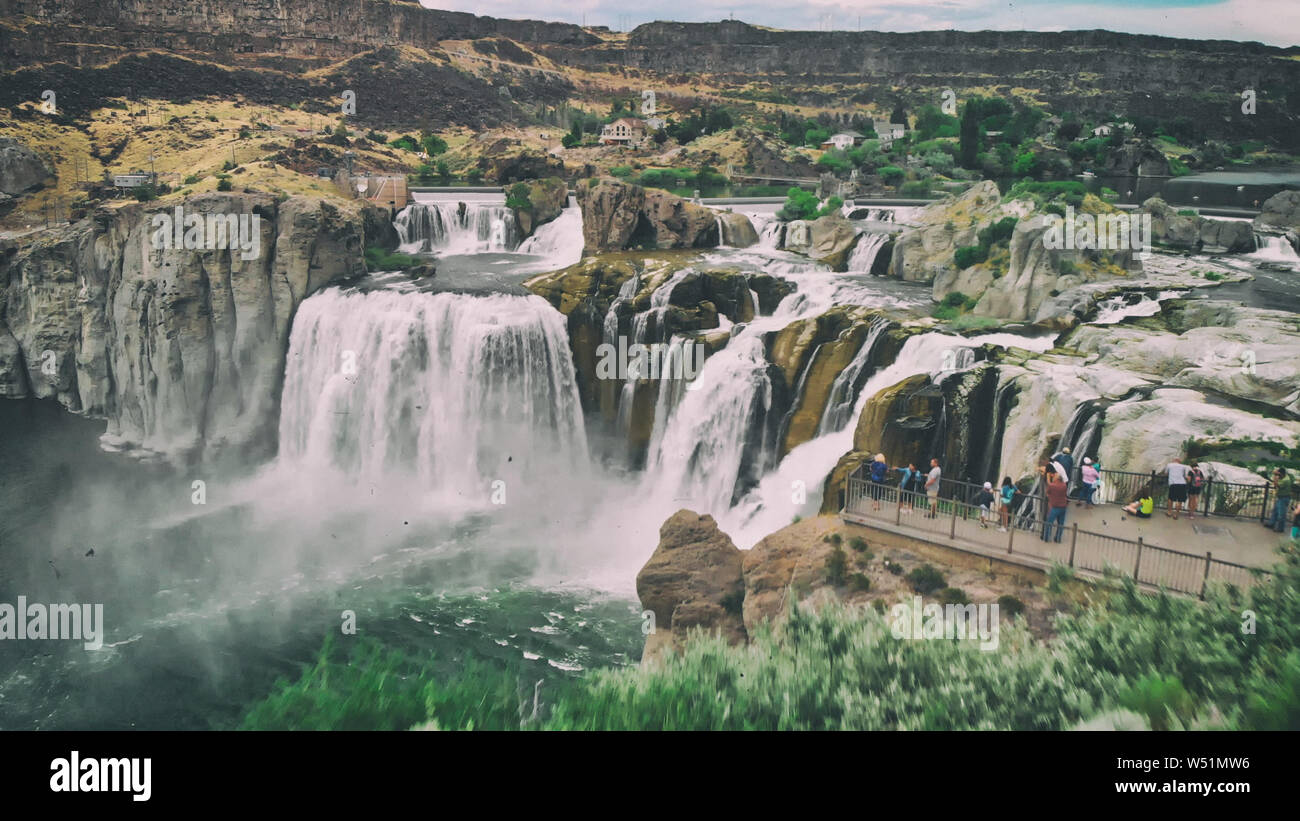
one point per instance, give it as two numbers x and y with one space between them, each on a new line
1205 579
1011 532
898 513
1074 539
1137 563
952 531
1263 510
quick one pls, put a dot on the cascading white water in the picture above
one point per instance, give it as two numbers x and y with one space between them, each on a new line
842 399
864 253
803 471
1274 249
454 390
1114 309
559 241
457 228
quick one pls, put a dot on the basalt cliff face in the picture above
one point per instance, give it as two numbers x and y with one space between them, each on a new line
182 351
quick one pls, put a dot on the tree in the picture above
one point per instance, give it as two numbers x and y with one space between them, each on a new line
432 143
1068 131
970 134
899 115
799 205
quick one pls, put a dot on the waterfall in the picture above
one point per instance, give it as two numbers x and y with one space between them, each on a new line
455 391
1274 249
844 390
771 232
1116 308
457 228
722 232
864 253
558 241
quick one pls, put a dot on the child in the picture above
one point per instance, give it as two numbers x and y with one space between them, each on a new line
905 485
1143 506
985 502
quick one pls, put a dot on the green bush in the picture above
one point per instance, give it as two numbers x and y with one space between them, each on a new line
406 143
858 544
953 595
860 583
519 198
380 259
224 185
837 563
891 174
1010 606
799 205
925 579
968 255
832 538
192 179
144 193
621 171
570 140
894 567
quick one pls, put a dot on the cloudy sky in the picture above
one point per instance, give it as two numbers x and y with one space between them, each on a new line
1276 22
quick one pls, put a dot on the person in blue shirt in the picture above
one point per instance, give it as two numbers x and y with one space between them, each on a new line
1006 494
907 485
879 473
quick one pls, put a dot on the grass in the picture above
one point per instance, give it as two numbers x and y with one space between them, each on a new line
379 259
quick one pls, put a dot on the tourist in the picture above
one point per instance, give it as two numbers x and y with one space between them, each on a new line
932 489
1058 501
1089 475
1195 483
1295 520
1283 486
879 472
984 501
1142 506
907 485
1066 461
1177 473
1007 494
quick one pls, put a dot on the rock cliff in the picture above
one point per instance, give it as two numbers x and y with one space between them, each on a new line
618 215
182 351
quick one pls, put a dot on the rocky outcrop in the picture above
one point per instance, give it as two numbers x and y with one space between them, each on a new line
546 199
829 239
1197 233
1034 273
1137 158
735 230
1280 212
694 579
181 350
617 215
20 169
925 253
1214 346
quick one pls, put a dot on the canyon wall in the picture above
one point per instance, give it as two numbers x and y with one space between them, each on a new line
182 351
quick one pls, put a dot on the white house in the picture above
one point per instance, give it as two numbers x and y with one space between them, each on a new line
887 132
843 140
623 131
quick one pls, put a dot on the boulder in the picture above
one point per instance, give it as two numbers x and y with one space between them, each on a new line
1197 233
546 198
735 230
1280 212
1137 158
20 169
617 215
693 579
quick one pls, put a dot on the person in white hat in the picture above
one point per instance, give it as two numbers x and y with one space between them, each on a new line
1089 475
985 502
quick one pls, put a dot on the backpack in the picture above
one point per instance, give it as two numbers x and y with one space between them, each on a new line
1198 478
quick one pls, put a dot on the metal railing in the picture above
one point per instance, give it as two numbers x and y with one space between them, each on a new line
1217 497
951 517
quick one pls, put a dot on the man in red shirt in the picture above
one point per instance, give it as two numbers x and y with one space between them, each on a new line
1058 501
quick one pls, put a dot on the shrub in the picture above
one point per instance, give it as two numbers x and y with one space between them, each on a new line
1066 267
406 143
799 205
1010 605
377 137
621 171
380 259
891 174
432 143
858 544
860 582
1161 699
832 538
144 193
894 567
224 185
570 140
953 595
925 579
836 565
192 179
518 198
969 255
